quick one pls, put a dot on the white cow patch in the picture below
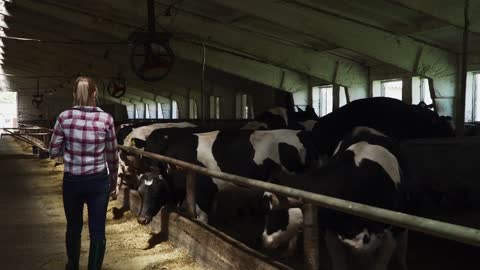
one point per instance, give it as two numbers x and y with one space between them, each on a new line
337 148
205 155
360 245
265 143
378 154
295 222
359 129
308 125
282 112
148 182
142 133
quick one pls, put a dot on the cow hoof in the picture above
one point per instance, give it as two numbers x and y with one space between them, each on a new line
117 213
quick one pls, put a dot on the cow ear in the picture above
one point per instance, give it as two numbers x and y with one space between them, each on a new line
138 143
422 104
310 110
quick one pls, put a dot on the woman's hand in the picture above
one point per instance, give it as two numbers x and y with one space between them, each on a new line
113 188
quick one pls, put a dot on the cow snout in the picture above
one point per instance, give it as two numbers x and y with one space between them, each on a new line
267 201
144 220
366 239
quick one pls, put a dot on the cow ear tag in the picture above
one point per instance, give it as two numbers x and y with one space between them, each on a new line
148 182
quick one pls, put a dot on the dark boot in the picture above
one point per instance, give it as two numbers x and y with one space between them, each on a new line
73 252
96 253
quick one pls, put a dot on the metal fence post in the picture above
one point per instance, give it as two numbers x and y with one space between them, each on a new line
190 194
310 237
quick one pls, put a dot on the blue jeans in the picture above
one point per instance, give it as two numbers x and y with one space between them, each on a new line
91 189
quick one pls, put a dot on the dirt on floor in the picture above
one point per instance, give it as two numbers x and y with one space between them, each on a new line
126 239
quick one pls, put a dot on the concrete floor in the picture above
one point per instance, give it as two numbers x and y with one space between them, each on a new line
32 222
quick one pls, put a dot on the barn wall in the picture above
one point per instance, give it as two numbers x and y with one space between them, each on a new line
182 83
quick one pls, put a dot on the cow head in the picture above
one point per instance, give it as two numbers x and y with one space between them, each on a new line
440 126
155 193
362 242
282 226
358 234
304 115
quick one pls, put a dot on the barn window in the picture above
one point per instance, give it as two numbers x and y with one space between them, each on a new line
135 106
131 111
192 109
392 89
174 109
8 109
342 97
322 99
388 88
421 91
147 112
214 107
244 106
472 97
159 111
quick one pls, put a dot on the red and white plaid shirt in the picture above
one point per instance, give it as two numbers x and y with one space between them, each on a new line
85 136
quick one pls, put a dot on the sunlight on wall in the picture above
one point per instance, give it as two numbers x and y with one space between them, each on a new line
4 80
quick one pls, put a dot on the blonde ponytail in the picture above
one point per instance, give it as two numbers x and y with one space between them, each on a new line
84 92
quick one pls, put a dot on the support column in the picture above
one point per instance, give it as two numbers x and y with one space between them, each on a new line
407 89
336 96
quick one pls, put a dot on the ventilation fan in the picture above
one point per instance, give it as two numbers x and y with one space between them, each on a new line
151 57
117 87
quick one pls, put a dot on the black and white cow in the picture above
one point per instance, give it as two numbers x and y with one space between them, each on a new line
137 135
366 168
283 118
390 116
258 154
254 154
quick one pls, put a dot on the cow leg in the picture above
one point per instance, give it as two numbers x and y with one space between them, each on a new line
292 246
201 215
385 252
336 251
399 259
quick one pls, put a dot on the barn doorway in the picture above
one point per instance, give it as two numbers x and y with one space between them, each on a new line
8 110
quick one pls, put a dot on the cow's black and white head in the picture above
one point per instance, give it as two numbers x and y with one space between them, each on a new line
363 241
281 226
155 193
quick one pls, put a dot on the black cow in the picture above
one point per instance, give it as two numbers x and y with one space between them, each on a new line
366 168
390 116
283 118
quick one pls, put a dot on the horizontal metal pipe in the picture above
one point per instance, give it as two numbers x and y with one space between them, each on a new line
27 139
428 226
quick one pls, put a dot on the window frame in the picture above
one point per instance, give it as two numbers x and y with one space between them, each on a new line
325 92
475 83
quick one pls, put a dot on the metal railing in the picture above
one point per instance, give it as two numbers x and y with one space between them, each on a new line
36 136
312 201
